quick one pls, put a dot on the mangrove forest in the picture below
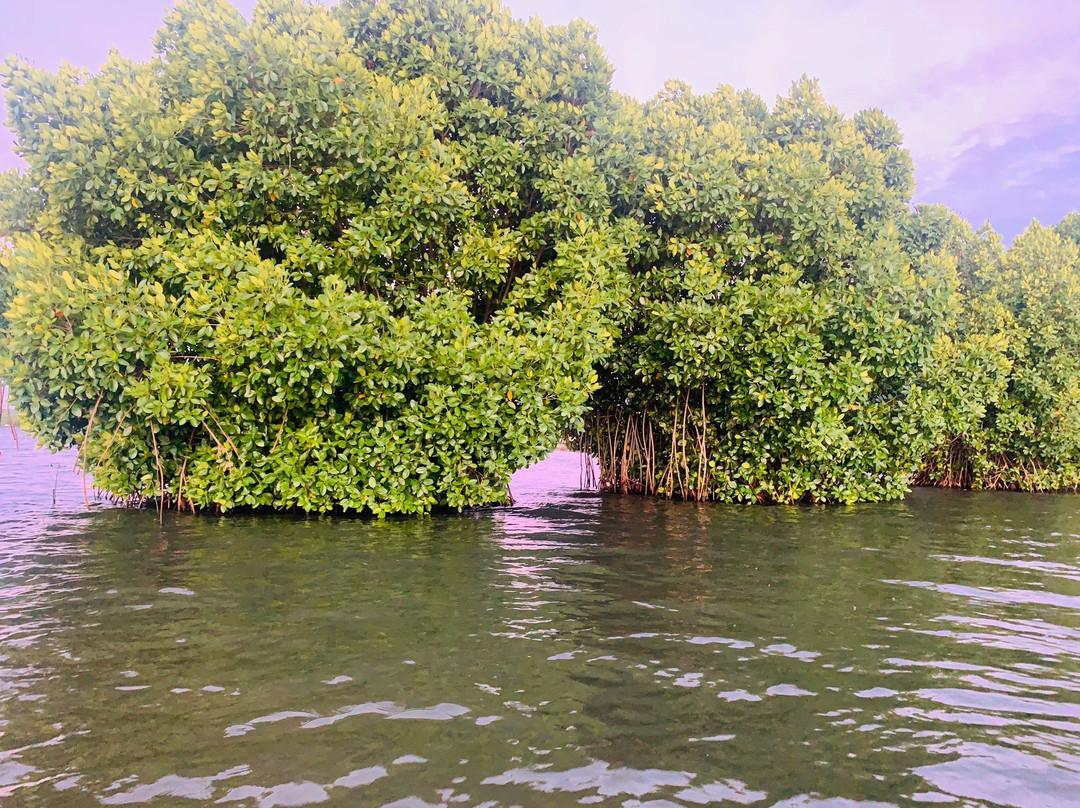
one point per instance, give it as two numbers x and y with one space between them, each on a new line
376 256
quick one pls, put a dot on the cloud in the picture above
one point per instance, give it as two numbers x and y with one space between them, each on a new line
1029 170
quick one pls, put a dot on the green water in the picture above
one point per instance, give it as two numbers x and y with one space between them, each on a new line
573 650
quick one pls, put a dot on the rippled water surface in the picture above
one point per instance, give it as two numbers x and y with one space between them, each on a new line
572 650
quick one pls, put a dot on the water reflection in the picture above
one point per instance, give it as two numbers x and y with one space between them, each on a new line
572 650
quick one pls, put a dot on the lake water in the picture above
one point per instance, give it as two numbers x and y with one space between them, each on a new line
572 650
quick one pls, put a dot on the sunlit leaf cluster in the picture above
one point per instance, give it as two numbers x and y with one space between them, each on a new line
780 336
350 257
1009 375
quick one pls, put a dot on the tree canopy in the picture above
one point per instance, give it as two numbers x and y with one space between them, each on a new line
780 336
290 263
1009 381
377 255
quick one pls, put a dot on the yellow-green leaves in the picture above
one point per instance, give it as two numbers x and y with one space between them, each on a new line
1008 382
342 257
779 335
379 254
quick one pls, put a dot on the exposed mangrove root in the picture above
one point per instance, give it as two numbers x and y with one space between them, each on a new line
82 448
953 470
587 477
161 503
10 418
625 445
955 467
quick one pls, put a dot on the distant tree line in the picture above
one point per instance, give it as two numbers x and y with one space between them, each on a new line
376 256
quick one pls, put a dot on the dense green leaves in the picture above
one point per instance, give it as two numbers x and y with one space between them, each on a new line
780 336
280 266
1010 382
375 256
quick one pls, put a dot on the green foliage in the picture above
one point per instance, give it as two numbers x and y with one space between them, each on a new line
780 336
375 256
1011 386
312 261
1069 227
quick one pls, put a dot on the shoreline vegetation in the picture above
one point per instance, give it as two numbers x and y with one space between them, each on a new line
376 256
7 415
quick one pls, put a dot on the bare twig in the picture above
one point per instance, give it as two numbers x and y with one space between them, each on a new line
161 473
82 448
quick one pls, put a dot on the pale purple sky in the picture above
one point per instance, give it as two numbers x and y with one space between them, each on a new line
987 92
